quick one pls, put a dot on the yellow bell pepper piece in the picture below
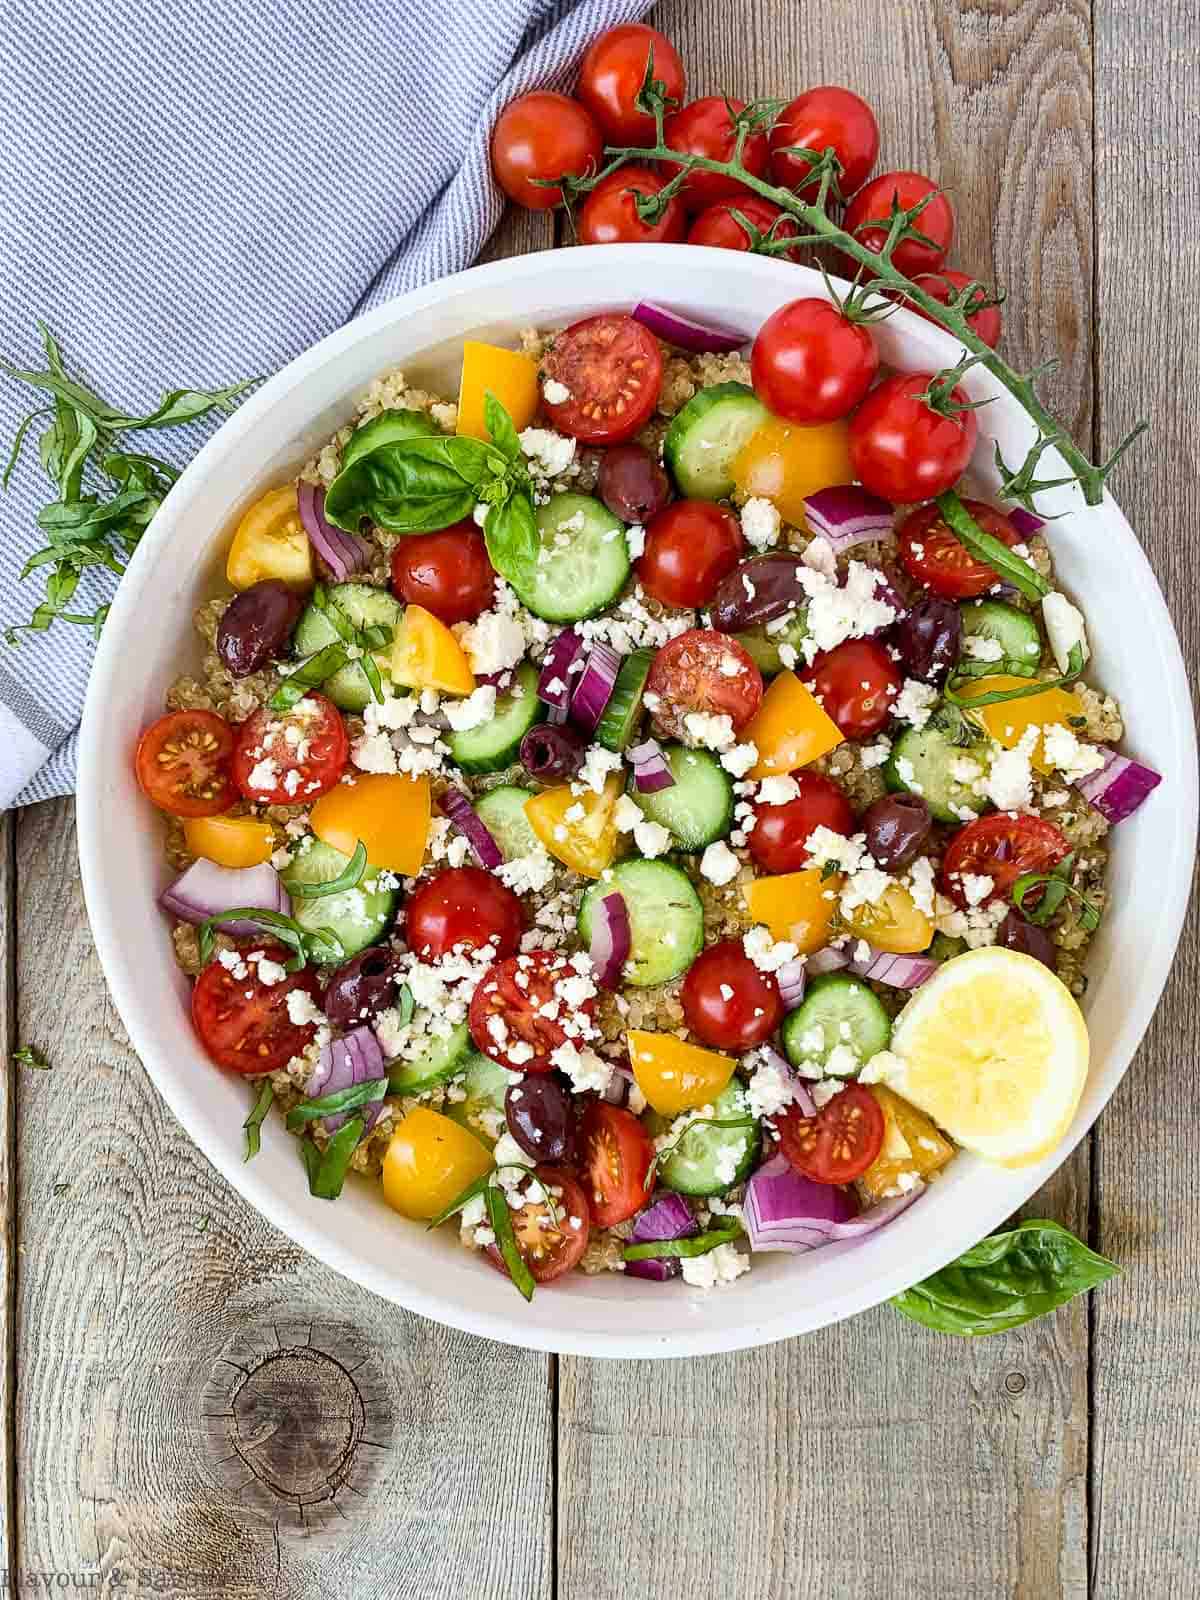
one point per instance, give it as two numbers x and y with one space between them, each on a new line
426 655
388 812
1007 720
795 905
894 923
511 377
230 841
789 729
429 1162
911 1144
270 542
676 1076
784 463
588 843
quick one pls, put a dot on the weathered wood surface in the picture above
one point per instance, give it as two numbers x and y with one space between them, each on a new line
8 1198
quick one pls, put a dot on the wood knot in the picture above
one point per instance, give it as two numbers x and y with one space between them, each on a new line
1014 1382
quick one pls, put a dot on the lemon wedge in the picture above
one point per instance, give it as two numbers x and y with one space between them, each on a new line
995 1050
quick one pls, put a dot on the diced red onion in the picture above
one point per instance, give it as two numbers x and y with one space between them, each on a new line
785 1211
556 664
898 972
355 1057
206 889
1118 788
668 1218
802 1096
650 769
846 515
341 552
827 960
620 1083
676 328
462 814
610 940
594 689
791 979
877 1215
1024 521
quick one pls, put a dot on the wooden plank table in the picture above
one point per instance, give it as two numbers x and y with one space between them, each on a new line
146 1313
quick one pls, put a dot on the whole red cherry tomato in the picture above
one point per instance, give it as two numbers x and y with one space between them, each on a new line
933 556
727 1002
811 363
904 450
463 906
820 118
609 215
717 225
779 838
706 127
543 135
874 204
690 546
857 683
448 573
941 285
612 73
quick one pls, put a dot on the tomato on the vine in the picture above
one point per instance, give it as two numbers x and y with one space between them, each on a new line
717 225
856 683
689 674
244 1024
448 573
934 556
276 770
540 136
904 450
727 1002
463 906
816 120
551 1233
779 839
707 127
1001 847
184 761
874 204
510 1018
612 72
811 363
612 369
615 1162
945 282
690 546
610 215
840 1142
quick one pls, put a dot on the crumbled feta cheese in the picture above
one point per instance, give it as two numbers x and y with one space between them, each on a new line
842 1062
303 1009
263 775
976 886
710 730
740 759
585 1068
920 881
478 707
837 612
527 874
719 864
1065 629
880 1067
635 540
1066 754
715 1268
597 764
651 838
874 755
915 702
777 791
494 642
977 648
627 814
549 453
846 854
769 1089
555 393
1009 784
818 554
232 961
760 523
766 953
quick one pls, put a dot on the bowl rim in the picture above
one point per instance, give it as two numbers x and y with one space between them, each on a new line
528 1332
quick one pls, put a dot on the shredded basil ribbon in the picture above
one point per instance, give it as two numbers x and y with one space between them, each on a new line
358 1094
987 548
307 944
349 878
461 1202
331 658
253 1123
1055 887
506 1240
698 1245
995 697
697 1122
327 1170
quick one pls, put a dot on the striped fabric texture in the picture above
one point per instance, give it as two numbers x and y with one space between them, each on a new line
195 193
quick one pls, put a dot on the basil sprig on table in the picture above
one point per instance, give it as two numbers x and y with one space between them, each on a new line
415 484
1006 1280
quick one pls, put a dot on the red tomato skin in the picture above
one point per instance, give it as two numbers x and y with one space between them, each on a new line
686 676
463 906
1000 846
515 988
778 841
600 361
571 1205
704 128
820 117
837 676
448 573
615 1164
611 74
941 284
874 203
811 364
690 546
543 135
224 1008
609 214
840 1142
718 227
744 1019
933 557
321 769
196 786
902 450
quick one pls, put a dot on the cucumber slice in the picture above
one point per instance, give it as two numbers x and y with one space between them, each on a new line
496 744
709 1160
387 428
624 709
441 1060
837 1009
363 604
486 1083
699 807
703 441
583 563
666 919
357 916
1013 630
922 762
502 811
763 647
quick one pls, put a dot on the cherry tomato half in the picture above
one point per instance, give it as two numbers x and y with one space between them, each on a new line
934 557
811 363
463 906
857 683
1000 847
820 118
688 674
243 1022
507 1017
727 1002
779 838
278 771
903 450
690 546
551 1242
840 1142
448 573
543 135
945 282
183 764
706 127
612 368
616 1157
717 225
874 204
612 72
609 215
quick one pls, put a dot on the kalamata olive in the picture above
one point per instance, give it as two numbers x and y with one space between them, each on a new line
896 827
541 1118
362 987
551 750
1014 933
257 626
929 638
758 590
632 484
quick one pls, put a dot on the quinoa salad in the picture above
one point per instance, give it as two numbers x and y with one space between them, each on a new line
608 821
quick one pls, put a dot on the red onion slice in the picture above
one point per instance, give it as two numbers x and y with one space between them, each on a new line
827 960
595 686
620 1083
791 979
898 972
610 940
677 328
1024 521
355 1057
455 805
341 552
667 1218
1118 788
846 515
206 889
554 685
877 1215
650 769
785 1211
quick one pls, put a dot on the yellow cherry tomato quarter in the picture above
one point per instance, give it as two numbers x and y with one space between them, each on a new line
676 1076
270 542
578 830
510 376
798 906
429 1162
785 463
230 841
790 729
388 812
426 655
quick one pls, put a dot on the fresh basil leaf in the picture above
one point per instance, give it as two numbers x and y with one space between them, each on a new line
78 518
412 485
699 1244
310 674
500 425
506 1240
65 446
511 535
358 1094
986 547
253 1123
1006 1280
328 1174
995 697
183 405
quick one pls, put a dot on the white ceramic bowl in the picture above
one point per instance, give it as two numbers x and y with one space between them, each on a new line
148 639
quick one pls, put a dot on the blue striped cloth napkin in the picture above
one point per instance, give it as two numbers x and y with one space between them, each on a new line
195 193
